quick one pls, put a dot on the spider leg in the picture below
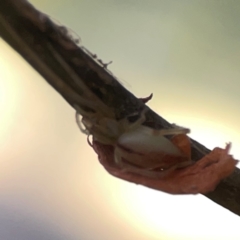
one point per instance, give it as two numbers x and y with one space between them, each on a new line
84 113
148 172
80 111
170 131
80 125
175 126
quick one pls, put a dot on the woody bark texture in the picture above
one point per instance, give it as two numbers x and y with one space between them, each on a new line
76 74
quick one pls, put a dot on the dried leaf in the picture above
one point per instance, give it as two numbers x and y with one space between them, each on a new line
201 177
182 141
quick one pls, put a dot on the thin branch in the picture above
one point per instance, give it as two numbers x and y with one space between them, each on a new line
78 76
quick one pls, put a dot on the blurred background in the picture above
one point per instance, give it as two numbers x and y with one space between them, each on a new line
52 187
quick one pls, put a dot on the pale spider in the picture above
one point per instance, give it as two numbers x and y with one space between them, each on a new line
137 148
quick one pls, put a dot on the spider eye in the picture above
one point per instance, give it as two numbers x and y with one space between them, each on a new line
134 118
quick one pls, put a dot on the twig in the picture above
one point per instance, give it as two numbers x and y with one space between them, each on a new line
79 76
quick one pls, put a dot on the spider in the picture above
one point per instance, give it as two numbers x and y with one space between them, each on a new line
138 148
137 153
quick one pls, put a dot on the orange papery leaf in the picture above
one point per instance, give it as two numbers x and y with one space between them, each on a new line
200 177
182 141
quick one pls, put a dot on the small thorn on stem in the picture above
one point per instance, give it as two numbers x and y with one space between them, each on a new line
146 99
